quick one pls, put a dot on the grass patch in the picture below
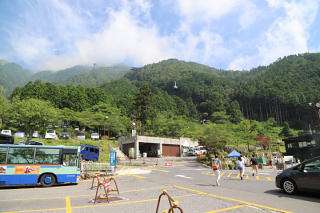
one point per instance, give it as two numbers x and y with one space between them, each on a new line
102 144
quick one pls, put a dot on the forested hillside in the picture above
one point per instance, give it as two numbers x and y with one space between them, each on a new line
11 76
280 91
82 75
283 90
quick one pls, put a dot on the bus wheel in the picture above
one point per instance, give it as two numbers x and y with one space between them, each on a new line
47 180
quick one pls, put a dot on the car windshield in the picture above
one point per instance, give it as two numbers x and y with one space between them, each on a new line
95 134
80 134
65 133
50 131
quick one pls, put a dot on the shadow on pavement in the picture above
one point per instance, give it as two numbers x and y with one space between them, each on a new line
35 186
307 196
200 184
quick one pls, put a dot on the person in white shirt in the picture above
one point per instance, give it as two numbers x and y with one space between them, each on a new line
240 164
217 167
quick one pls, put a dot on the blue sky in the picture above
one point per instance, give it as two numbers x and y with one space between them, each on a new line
228 34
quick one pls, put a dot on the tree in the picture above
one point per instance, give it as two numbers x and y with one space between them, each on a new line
4 106
143 106
33 114
214 137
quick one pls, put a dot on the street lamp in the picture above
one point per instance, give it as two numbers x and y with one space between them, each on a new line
104 126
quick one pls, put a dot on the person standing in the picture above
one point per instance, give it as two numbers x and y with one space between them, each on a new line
254 163
275 160
216 167
240 164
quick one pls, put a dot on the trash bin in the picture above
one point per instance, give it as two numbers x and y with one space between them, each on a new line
144 154
131 153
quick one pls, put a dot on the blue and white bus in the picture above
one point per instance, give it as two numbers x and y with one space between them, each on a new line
35 164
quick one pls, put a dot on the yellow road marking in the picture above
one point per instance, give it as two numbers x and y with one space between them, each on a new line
74 196
232 199
102 205
227 209
257 177
222 174
269 178
229 174
138 176
68 205
247 177
130 202
238 176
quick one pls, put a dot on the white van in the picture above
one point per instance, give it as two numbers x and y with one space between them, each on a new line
199 149
6 132
51 134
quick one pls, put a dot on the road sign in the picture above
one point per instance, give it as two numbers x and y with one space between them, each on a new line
113 159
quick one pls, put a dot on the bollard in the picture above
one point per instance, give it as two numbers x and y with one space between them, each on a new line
98 177
106 187
173 204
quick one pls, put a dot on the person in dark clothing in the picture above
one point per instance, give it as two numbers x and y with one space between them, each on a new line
254 163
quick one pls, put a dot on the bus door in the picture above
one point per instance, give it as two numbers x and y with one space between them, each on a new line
70 163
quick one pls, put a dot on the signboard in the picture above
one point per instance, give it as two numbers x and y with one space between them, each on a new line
3 170
21 170
288 159
113 159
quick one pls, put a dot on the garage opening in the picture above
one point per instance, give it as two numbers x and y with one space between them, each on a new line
150 148
170 150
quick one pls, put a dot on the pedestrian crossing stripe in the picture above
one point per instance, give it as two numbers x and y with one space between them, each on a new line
237 176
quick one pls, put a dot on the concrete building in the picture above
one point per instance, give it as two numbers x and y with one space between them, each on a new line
155 146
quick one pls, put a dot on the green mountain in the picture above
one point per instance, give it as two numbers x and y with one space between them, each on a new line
281 90
96 77
82 75
51 76
11 76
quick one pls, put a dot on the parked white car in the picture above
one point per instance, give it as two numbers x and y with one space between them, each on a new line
51 134
95 136
35 134
81 136
199 149
6 132
19 135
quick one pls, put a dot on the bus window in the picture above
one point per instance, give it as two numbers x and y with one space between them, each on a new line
91 150
47 156
3 154
96 150
20 155
70 159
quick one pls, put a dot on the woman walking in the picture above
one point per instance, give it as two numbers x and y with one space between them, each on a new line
240 164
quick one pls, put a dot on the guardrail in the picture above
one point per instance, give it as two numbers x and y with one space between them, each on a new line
93 166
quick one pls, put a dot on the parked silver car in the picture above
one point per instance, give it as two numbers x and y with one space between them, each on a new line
81 136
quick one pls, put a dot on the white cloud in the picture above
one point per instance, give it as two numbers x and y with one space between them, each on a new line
289 34
123 38
208 10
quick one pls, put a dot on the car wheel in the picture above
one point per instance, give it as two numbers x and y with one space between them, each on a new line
47 180
289 186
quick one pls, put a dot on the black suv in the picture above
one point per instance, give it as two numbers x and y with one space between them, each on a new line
303 177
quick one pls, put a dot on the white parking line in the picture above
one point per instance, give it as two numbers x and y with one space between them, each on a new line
184 176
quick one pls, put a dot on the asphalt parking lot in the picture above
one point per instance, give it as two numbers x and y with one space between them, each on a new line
132 198
188 182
